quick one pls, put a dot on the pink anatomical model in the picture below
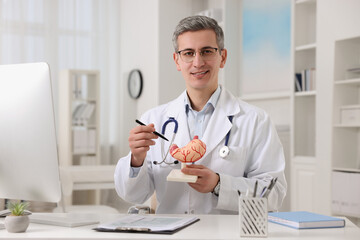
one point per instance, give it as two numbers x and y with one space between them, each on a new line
192 152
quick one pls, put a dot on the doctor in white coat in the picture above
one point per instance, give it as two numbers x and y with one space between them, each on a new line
219 119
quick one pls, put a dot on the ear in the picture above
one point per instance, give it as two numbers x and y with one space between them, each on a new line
223 58
176 60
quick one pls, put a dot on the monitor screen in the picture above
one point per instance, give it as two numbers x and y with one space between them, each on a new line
28 151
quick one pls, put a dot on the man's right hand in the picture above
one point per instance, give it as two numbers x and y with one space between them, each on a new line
140 140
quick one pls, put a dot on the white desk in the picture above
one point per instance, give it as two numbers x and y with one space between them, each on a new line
209 227
86 178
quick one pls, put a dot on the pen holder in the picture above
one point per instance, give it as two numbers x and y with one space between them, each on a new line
253 214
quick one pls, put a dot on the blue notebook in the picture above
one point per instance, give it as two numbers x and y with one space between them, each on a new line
303 220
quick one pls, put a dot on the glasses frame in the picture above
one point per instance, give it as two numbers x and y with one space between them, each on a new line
195 52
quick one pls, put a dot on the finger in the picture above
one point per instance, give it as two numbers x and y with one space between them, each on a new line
142 136
135 136
148 128
196 166
141 143
194 171
140 150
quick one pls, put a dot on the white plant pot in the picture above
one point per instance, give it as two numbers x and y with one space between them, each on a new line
16 224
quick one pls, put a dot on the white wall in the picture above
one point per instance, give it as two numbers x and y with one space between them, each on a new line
146 44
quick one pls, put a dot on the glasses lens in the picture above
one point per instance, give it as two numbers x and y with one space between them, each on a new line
187 56
208 53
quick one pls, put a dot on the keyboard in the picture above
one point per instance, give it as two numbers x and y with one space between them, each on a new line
64 219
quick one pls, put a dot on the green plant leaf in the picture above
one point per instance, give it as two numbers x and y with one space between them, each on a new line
17 208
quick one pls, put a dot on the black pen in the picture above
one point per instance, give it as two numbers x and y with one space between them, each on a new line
255 188
156 133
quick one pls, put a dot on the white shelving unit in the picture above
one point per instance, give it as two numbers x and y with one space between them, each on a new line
303 101
79 128
346 128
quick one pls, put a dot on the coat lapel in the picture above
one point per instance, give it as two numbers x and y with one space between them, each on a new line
219 124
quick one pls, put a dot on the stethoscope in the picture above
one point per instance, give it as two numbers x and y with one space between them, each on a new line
224 151
170 120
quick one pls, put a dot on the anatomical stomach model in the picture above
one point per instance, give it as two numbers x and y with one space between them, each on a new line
190 153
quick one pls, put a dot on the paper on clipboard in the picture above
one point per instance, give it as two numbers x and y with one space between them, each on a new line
147 223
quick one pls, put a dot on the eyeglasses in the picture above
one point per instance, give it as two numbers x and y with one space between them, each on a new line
207 54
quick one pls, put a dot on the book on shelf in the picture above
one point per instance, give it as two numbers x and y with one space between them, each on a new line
298 82
80 86
305 80
83 113
305 220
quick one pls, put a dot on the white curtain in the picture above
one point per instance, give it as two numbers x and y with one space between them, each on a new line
76 34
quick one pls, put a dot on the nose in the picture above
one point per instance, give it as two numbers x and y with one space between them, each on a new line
198 60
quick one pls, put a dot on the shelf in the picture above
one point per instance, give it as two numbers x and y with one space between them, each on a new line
350 170
265 96
84 99
305 93
304 159
346 125
311 46
92 126
352 82
305 2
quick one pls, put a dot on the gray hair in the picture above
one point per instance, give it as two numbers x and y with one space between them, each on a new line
197 23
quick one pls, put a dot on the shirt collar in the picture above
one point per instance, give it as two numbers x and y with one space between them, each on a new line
212 101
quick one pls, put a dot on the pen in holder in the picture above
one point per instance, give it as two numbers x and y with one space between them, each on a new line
253 214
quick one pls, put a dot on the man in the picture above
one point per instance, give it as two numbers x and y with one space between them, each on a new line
221 121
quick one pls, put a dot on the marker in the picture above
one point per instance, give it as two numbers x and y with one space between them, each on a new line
156 133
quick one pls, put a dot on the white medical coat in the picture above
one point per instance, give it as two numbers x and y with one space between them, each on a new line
255 154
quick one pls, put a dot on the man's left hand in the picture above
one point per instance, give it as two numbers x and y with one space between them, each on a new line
207 179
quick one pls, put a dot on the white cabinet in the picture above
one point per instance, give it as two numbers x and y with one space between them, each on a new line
346 128
79 126
302 179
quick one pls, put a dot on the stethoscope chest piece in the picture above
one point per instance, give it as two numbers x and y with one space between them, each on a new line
224 151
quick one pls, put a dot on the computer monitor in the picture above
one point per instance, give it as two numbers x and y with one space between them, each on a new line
29 167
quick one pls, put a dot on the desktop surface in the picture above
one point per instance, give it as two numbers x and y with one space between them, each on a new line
209 227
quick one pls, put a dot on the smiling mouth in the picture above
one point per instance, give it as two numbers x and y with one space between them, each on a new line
200 73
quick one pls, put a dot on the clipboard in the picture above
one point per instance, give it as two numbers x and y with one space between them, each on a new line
147 224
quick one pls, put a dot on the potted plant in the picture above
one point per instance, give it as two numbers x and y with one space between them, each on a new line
17 221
